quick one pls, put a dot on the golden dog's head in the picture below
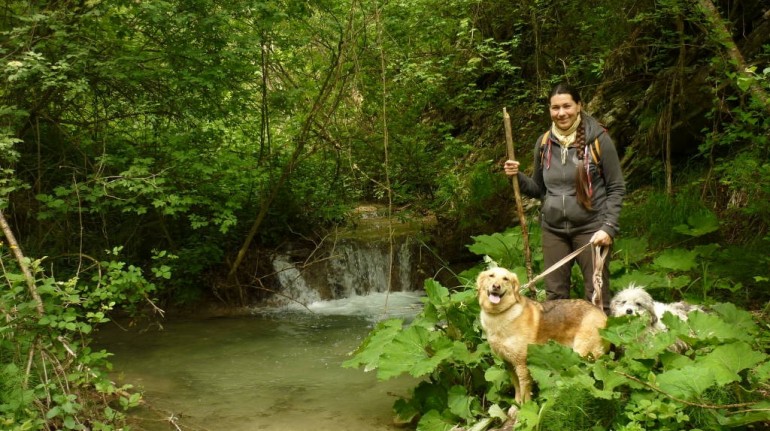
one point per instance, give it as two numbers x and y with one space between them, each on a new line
498 290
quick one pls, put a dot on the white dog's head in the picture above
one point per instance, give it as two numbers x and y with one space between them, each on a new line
633 301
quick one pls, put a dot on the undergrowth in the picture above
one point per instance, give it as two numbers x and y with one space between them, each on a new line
51 378
720 382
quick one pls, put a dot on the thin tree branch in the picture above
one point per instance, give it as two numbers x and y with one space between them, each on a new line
17 253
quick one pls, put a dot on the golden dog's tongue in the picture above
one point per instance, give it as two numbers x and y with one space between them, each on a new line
495 299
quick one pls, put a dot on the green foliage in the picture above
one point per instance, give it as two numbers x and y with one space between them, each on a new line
508 249
51 376
716 383
441 346
685 216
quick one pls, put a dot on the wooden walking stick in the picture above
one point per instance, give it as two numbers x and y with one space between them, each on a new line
517 196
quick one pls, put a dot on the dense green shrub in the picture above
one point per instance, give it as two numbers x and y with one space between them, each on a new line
718 383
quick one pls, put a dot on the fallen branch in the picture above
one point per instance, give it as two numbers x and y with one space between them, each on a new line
17 253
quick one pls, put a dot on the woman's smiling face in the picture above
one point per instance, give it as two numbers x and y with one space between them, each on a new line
564 110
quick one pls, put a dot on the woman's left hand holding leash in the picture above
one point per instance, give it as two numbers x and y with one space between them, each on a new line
601 238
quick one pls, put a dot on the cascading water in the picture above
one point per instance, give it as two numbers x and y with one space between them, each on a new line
293 285
366 272
357 278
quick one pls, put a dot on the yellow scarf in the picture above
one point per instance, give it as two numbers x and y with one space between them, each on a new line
566 137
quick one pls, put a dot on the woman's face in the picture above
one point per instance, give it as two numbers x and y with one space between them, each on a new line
564 110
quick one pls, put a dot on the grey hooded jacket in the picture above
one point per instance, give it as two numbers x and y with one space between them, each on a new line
555 186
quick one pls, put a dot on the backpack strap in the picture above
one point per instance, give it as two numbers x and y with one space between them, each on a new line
596 154
543 143
596 151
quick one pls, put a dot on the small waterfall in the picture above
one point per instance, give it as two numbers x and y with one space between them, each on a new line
361 268
351 268
293 285
371 269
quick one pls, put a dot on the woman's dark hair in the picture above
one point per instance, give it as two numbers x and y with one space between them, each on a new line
564 88
582 182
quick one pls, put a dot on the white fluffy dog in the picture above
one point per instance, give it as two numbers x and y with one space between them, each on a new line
635 301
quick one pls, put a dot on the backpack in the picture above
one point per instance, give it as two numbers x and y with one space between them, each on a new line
596 151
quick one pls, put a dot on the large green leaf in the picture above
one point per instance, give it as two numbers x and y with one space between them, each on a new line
676 259
710 327
433 421
736 317
460 404
687 382
610 380
371 349
699 225
726 361
758 413
410 352
506 249
631 250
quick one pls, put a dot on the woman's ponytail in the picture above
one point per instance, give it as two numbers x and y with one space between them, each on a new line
582 183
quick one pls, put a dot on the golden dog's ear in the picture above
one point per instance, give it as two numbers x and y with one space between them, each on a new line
515 283
479 278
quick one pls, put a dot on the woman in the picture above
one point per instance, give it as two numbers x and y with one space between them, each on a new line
577 176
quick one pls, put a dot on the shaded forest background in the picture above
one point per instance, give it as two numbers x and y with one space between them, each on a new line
204 131
154 152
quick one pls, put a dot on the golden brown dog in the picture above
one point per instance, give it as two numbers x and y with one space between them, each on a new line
512 322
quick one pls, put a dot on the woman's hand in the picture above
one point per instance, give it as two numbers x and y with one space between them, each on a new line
601 238
511 167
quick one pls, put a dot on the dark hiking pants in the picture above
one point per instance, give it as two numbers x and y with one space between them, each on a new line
557 283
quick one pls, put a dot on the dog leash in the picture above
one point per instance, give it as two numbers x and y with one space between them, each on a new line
556 265
598 254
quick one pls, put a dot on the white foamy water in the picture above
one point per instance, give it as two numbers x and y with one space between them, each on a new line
373 307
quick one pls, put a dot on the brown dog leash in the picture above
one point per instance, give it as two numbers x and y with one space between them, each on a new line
599 253
555 266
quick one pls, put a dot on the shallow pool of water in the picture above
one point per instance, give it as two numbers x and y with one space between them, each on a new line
272 371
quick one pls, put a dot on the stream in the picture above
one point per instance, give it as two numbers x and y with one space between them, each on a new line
277 369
